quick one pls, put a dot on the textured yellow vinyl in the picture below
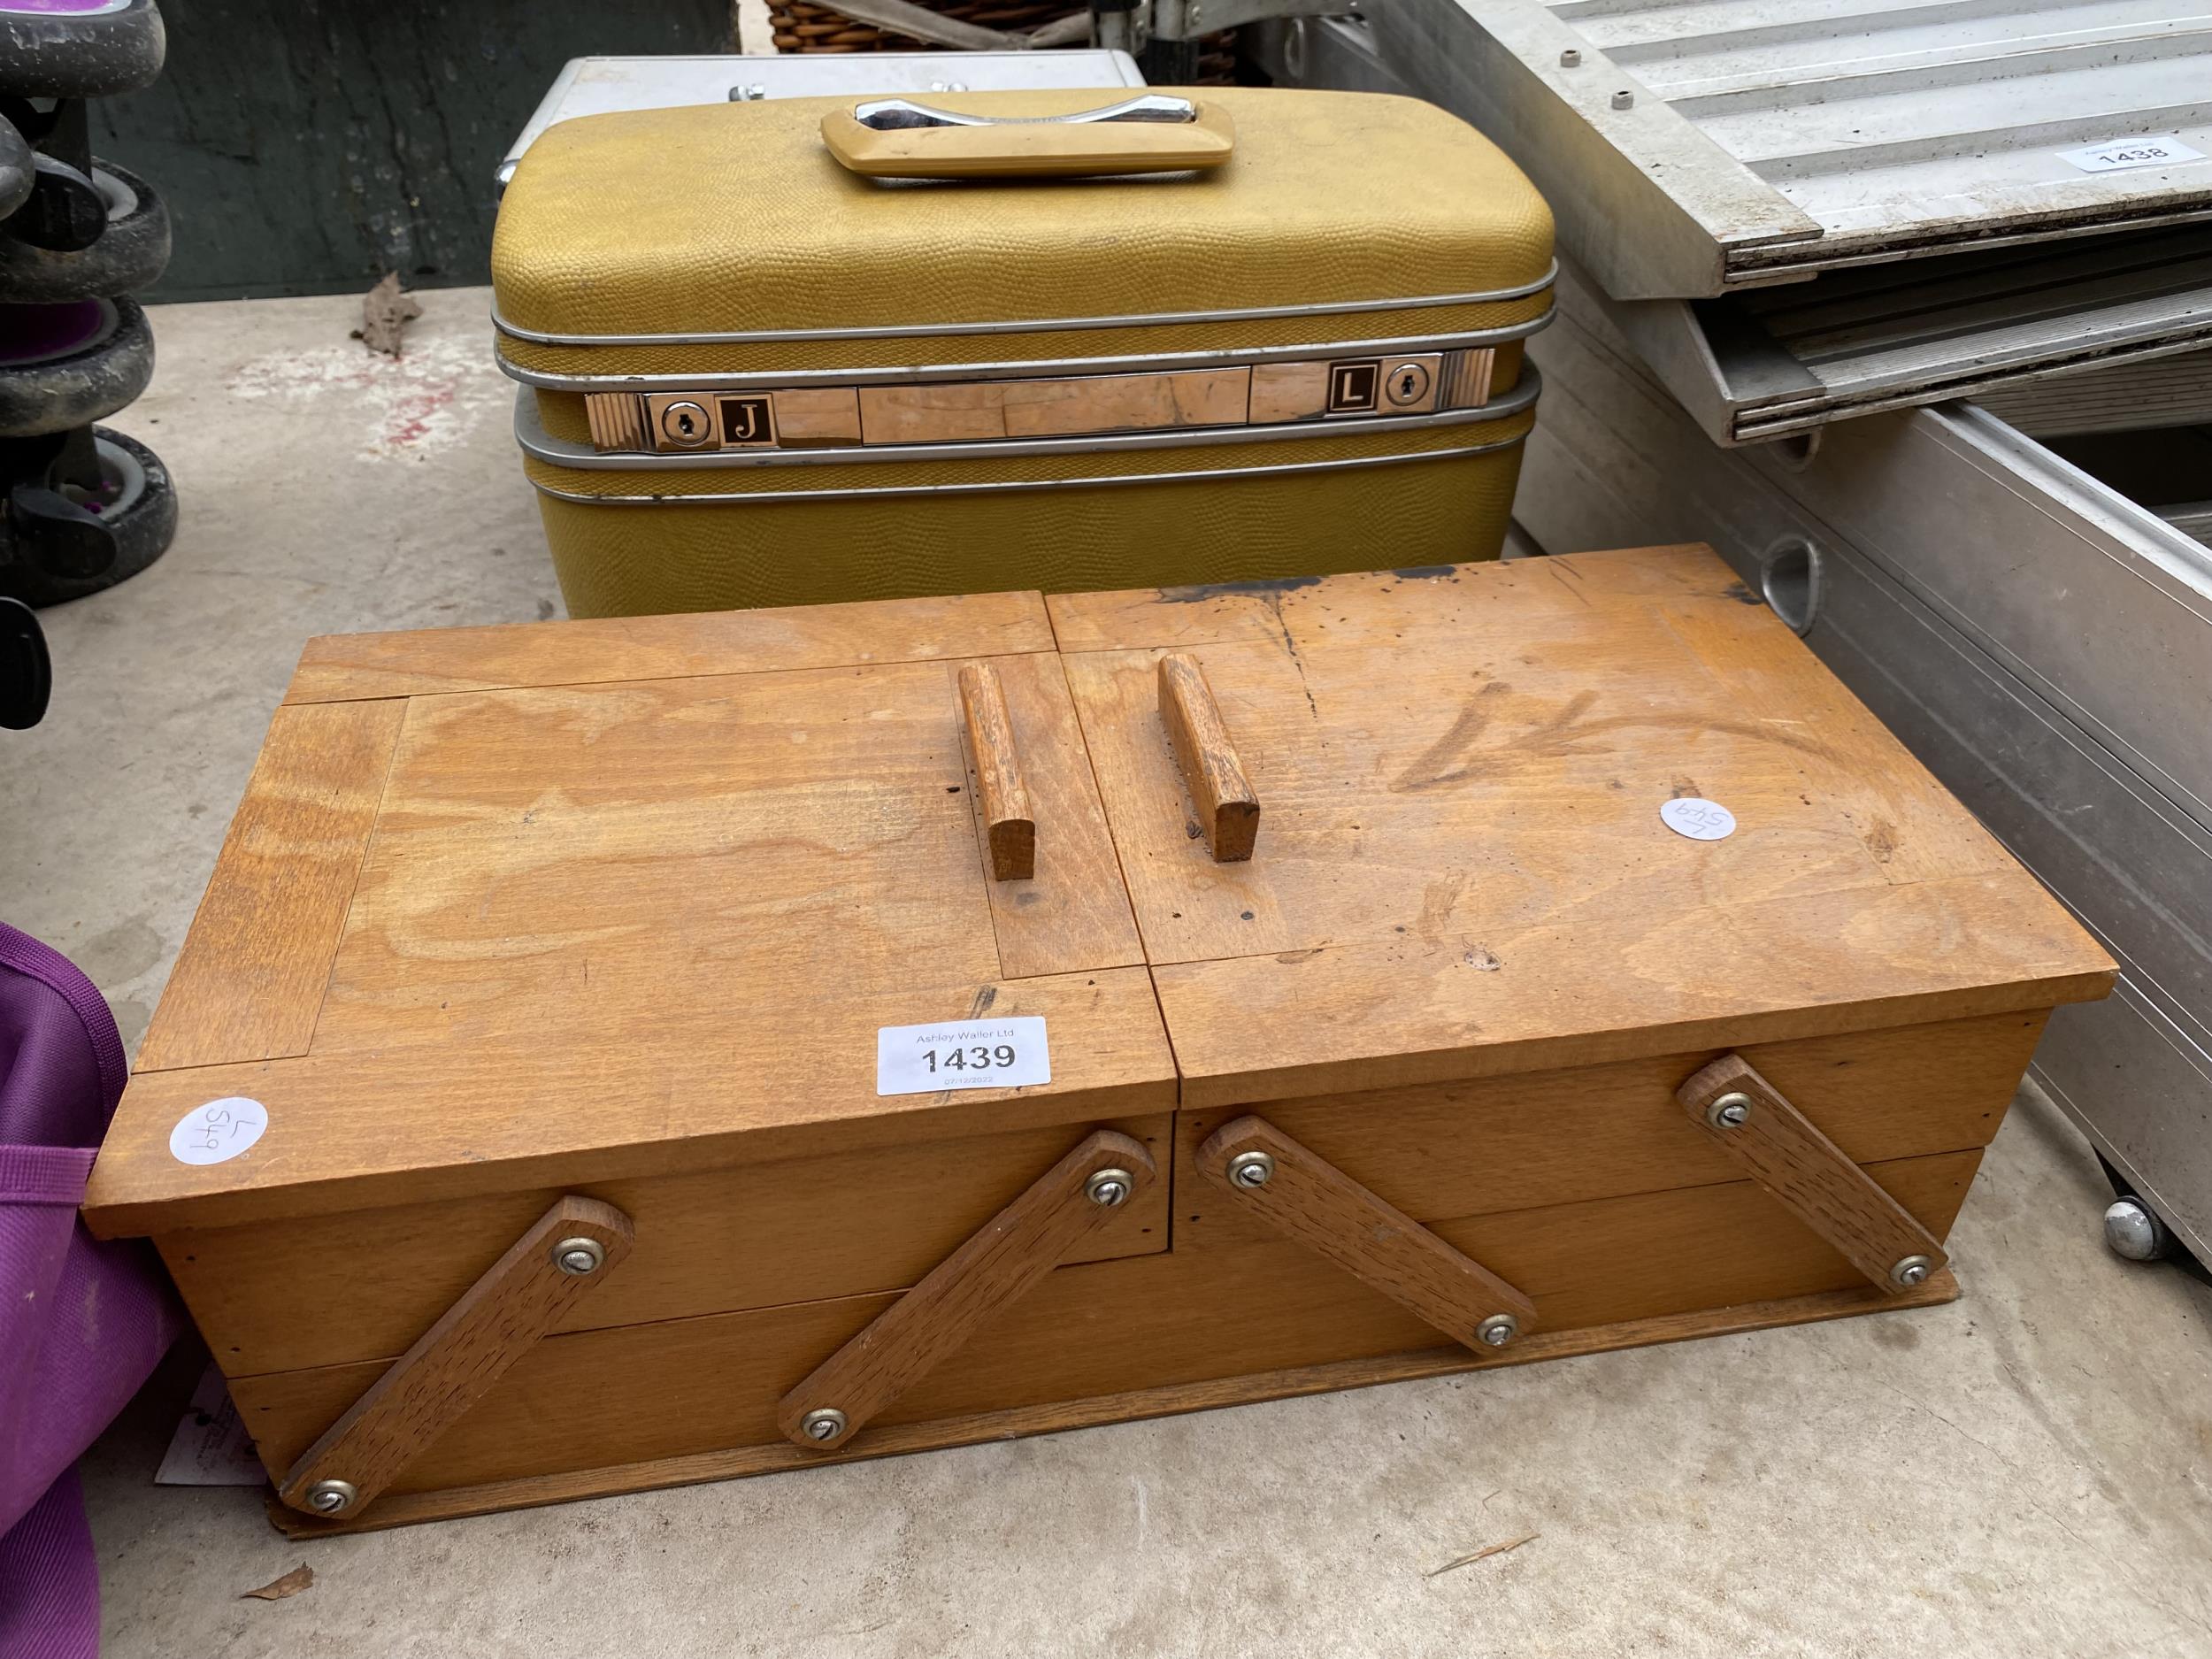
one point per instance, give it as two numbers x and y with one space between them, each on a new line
729 218
628 560
668 225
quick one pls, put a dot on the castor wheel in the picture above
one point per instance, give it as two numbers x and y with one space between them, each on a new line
103 510
2133 1230
66 365
2137 1232
26 672
129 253
78 48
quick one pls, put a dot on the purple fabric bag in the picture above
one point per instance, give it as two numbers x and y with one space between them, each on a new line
81 1323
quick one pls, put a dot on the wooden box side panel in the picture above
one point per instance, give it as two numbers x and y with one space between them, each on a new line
1488 1145
1096 1409
251 976
363 1285
686 1387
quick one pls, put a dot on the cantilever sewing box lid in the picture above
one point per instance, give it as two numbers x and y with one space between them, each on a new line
1524 816
673 230
578 901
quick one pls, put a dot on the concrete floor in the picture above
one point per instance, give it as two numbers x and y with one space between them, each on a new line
2027 1471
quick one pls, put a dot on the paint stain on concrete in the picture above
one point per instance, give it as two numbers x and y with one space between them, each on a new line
429 400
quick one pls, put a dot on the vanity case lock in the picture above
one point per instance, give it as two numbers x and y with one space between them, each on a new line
683 422
1405 384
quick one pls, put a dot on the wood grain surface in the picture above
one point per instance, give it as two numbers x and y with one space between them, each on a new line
1093 1411
1010 831
610 913
1786 1154
362 1284
710 1089
1417 608
1613 987
1309 1200
1485 1145
1227 813
336 667
693 1386
1467 871
493 1324
1005 1259
250 981
686 905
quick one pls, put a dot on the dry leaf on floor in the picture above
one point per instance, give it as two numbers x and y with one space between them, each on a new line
1485 1555
385 312
291 1583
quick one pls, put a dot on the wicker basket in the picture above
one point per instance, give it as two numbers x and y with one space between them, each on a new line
800 26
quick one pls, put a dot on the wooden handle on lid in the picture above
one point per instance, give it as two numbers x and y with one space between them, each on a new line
1228 811
1008 823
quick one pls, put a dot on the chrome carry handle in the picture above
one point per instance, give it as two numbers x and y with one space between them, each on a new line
892 115
1154 131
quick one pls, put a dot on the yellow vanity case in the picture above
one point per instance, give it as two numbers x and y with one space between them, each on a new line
766 359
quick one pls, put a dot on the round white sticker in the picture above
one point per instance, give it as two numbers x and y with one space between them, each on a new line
217 1131
1699 820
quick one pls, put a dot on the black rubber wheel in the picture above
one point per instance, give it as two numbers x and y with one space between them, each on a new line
129 255
136 505
78 48
26 672
15 169
65 210
67 366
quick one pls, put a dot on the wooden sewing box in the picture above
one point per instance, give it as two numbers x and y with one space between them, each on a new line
1393 1029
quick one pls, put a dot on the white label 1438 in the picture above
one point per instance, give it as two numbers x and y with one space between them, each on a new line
2131 152
962 1054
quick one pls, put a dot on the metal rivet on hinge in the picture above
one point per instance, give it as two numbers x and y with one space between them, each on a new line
1570 58
1110 1187
1251 1169
1623 99
1732 1110
1914 1269
331 1497
578 1257
824 1424
1498 1330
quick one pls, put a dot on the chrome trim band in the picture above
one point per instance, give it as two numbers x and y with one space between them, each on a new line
541 445
768 380
1045 325
735 497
